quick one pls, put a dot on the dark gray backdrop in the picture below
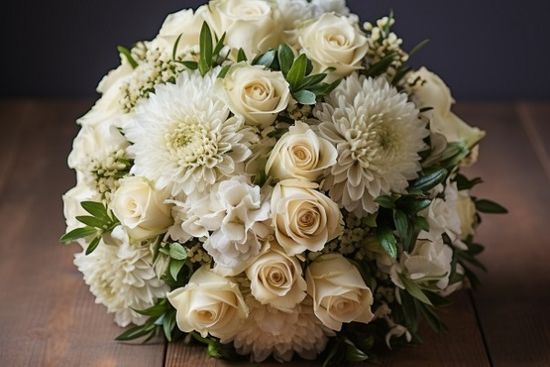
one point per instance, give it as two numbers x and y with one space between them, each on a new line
485 49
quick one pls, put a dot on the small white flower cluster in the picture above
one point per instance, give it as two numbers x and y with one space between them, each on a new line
258 191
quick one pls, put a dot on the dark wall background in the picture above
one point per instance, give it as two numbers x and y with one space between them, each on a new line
485 49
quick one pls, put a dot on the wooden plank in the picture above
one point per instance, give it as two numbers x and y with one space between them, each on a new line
535 118
461 346
514 300
47 316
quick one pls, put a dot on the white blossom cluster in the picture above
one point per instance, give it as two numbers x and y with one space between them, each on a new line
271 187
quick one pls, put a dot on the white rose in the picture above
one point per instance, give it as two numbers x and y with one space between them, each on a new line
430 91
429 261
183 23
255 93
300 153
209 303
248 24
467 214
339 292
304 218
140 208
276 279
334 42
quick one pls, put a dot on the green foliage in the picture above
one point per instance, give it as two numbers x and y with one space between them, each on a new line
100 221
215 349
489 207
428 181
128 56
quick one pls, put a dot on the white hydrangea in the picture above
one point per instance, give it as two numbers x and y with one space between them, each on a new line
378 135
122 276
269 331
233 211
184 138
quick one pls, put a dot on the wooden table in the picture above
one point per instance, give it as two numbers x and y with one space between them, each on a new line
48 317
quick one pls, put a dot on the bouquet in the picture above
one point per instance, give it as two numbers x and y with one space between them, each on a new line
272 178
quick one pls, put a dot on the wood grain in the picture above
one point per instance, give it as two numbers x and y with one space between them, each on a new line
461 346
47 316
514 300
535 118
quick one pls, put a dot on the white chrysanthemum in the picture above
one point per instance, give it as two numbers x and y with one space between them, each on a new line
183 137
269 331
378 135
121 276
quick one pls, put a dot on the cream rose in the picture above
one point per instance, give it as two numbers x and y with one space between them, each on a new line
255 93
276 279
467 214
430 91
185 24
339 292
300 153
429 261
248 24
304 218
209 303
333 41
140 208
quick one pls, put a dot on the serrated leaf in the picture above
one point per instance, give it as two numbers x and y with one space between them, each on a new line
177 251
490 207
78 233
285 56
305 97
241 56
175 267
297 71
96 209
429 181
205 46
92 221
93 245
265 59
387 240
127 55
414 290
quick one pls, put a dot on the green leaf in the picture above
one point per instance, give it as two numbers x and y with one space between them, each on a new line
136 332
191 65
429 181
241 56
414 290
127 55
412 205
218 48
387 240
92 221
463 183
96 209
490 207
433 319
175 48
305 97
175 267
93 245
205 46
78 233
385 201
401 223
297 71
223 71
421 223
410 311
323 89
156 310
168 324
286 58
418 47
400 74
354 354
265 59
177 251
311 80
381 66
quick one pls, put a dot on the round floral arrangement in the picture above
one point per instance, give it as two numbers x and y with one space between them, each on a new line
272 178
